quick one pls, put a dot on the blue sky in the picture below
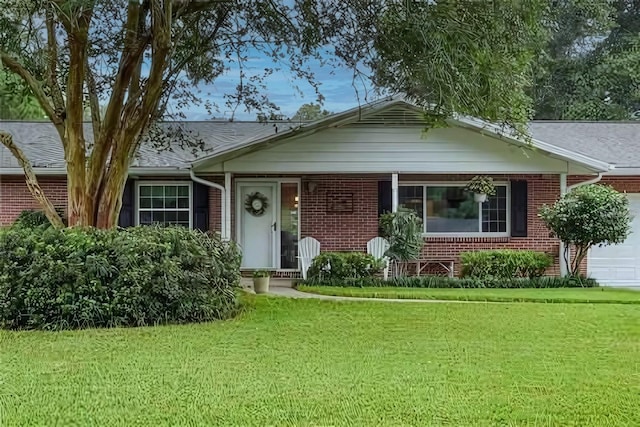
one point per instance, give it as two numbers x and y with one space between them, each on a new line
336 86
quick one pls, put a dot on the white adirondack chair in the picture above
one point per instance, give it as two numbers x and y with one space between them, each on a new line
378 247
309 248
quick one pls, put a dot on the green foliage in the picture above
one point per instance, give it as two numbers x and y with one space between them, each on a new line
30 218
403 230
586 216
504 264
16 102
469 58
452 282
343 265
482 185
310 112
589 69
77 278
261 273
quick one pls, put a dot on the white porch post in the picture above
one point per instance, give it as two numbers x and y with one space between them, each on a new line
564 267
227 205
394 192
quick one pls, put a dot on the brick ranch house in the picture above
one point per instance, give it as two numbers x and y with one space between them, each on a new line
331 179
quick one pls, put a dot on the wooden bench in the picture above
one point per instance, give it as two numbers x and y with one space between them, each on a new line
421 264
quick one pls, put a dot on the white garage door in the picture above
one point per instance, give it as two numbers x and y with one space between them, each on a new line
619 265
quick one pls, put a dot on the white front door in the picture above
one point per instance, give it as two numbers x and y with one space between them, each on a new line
257 207
619 265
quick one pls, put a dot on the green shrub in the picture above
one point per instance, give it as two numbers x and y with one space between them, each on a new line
589 215
75 278
31 218
448 282
403 230
341 265
504 264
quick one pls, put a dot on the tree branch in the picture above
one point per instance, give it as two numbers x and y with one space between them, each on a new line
17 68
32 180
52 71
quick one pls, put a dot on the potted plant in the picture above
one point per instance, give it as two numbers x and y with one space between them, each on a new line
481 187
261 281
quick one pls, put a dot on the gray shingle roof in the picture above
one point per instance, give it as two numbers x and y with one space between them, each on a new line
41 143
614 142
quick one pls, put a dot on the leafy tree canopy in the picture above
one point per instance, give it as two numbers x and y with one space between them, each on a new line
16 101
590 68
310 112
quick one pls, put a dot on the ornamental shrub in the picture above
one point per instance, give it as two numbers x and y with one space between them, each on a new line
77 278
31 218
590 215
403 230
504 264
341 265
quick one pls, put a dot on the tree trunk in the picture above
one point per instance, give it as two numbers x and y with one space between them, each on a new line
110 200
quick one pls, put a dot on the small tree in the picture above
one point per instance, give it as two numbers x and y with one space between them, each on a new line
587 216
403 229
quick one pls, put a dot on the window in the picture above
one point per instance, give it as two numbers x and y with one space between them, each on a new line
450 209
166 204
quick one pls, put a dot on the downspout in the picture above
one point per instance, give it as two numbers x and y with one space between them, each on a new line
591 181
223 191
566 263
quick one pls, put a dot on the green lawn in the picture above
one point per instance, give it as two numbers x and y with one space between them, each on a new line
561 295
311 362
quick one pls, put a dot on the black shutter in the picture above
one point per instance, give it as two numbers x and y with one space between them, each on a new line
384 197
200 207
127 211
519 208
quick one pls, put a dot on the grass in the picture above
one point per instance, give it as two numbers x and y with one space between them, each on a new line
548 295
312 362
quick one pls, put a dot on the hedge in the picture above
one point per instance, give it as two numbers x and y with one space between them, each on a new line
448 282
77 278
343 265
504 263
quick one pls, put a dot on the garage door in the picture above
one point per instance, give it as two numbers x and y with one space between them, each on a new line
619 265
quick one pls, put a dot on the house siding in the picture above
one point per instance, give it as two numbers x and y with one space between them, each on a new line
374 149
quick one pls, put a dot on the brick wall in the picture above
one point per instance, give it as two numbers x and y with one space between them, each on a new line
351 231
15 196
341 231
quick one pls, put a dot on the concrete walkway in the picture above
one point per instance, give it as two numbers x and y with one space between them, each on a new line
294 293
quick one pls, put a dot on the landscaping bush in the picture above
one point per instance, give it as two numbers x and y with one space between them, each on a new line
587 216
504 264
450 282
403 230
31 218
341 265
76 278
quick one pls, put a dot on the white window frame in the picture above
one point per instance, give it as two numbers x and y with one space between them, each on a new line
425 232
188 184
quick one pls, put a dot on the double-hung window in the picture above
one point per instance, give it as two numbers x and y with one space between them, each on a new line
164 203
449 210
